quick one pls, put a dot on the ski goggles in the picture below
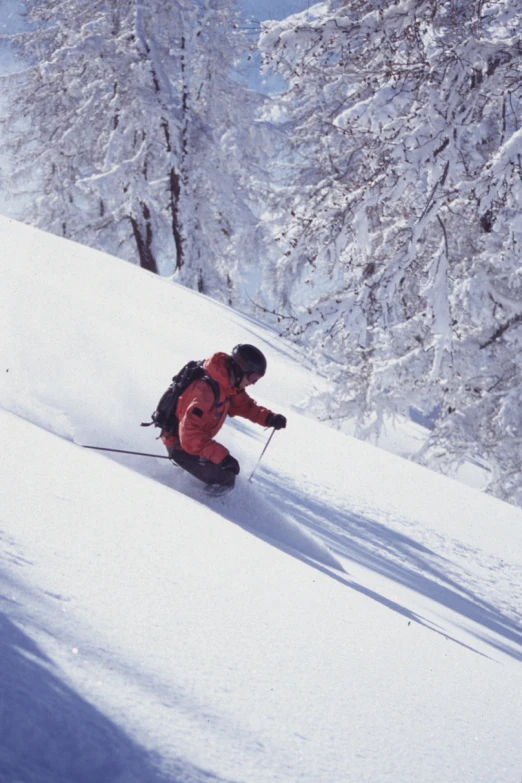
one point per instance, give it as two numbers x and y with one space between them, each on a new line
253 377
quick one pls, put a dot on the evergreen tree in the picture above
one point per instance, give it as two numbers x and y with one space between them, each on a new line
399 217
120 123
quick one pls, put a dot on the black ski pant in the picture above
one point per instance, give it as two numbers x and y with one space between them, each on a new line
203 469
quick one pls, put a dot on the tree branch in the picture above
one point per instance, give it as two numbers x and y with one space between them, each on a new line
500 331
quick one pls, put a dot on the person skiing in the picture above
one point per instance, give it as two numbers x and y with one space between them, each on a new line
203 407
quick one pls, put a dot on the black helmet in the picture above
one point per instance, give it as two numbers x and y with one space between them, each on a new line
249 360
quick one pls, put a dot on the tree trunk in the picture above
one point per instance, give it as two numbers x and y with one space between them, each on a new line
174 209
144 241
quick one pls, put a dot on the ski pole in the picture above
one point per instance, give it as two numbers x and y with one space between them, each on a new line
122 451
261 457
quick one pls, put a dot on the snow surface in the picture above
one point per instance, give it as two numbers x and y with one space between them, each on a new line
345 616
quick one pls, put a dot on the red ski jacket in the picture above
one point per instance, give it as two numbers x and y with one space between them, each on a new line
201 417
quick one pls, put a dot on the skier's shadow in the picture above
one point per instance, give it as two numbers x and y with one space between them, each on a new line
282 523
399 557
325 537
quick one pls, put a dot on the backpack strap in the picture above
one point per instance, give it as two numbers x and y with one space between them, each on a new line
215 388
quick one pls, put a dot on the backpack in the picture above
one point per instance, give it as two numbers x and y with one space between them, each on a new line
164 416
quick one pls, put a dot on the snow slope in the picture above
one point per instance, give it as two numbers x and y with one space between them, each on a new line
345 616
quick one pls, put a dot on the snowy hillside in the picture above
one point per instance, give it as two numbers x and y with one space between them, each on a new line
345 617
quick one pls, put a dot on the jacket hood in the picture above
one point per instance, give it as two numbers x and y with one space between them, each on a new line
217 368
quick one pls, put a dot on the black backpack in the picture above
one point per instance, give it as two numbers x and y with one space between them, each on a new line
164 416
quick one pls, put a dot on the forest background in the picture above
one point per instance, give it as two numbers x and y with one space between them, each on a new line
365 197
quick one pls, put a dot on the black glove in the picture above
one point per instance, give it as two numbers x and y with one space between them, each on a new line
276 420
230 463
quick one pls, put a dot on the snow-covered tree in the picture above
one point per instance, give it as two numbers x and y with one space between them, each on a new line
124 123
399 219
226 149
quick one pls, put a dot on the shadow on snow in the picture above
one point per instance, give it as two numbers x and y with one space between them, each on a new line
319 533
50 734
395 556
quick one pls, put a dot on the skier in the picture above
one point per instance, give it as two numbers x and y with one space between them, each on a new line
201 414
